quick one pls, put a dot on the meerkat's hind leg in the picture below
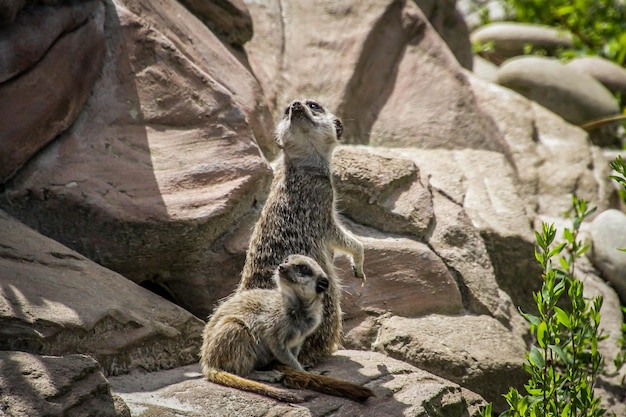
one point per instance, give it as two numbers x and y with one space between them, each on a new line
273 375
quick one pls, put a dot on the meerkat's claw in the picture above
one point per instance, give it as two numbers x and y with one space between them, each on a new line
358 273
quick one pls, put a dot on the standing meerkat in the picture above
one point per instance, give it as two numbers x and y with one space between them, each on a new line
299 216
253 329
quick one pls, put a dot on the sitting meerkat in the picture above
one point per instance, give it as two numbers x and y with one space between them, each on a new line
254 329
299 216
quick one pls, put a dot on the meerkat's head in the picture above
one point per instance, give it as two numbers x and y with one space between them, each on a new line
306 129
300 276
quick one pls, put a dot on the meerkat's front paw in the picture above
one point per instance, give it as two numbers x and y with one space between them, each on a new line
358 272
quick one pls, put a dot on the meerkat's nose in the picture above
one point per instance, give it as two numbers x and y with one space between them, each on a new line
281 268
297 106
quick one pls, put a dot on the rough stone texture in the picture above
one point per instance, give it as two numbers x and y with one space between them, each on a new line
510 38
378 59
62 59
401 390
479 191
229 19
610 75
450 25
37 386
575 96
406 279
9 10
163 161
608 233
54 301
382 192
487 360
552 159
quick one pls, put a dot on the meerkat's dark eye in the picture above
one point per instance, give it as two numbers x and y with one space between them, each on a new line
338 128
314 106
304 270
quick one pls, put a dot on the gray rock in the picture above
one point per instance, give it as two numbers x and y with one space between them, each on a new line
451 26
230 19
383 192
552 158
608 233
50 386
54 301
407 279
510 38
50 58
164 161
400 388
611 75
473 351
576 97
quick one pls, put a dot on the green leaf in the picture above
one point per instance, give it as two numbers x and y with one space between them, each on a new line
567 235
541 334
556 250
563 317
530 318
536 358
557 349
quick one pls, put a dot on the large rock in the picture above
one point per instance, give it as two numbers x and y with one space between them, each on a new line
229 19
163 162
511 39
610 75
575 96
552 159
383 192
377 76
608 233
406 278
473 351
38 386
50 58
54 301
450 25
481 224
401 390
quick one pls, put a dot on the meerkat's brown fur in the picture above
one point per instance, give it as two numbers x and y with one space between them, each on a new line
256 328
299 216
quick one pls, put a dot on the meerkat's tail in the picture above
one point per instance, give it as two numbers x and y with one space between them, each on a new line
234 381
296 379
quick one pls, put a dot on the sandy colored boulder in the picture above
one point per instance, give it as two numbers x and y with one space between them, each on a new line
575 96
383 192
54 301
165 159
373 63
401 390
46 78
608 233
552 158
611 75
407 279
229 19
510 39
473 351
51 386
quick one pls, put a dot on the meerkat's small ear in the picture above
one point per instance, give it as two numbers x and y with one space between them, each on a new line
338 127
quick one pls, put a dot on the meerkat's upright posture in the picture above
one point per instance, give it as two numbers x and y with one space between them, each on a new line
299 216
255 328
